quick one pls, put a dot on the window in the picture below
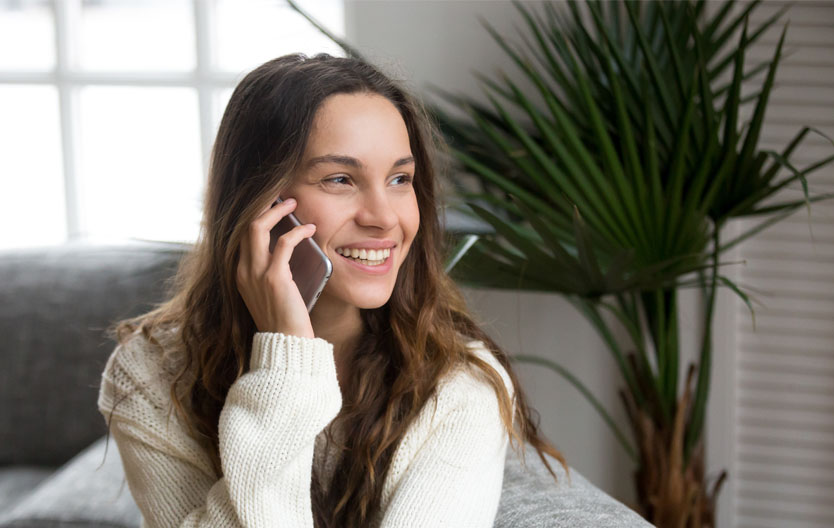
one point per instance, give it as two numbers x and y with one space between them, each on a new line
110 107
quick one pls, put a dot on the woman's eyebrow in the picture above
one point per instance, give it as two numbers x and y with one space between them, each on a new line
351 162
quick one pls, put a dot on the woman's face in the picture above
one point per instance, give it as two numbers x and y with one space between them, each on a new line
355 185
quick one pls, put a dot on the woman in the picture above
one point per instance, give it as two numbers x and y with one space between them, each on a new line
386 405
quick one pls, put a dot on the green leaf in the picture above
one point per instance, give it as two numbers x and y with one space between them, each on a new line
673 50
534 202
553 67
552 237
677 171
657 77
759 227
719 17
520 157
530 249
744 297
797 175
788 205
758 117
715 72
586 250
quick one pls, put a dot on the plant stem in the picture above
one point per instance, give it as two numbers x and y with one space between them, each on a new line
589 309
654 309
693 433
673 347
630 318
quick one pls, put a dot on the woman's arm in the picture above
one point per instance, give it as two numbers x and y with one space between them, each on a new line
267 432
455 476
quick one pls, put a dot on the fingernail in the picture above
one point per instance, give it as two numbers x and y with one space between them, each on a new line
290 200
312 226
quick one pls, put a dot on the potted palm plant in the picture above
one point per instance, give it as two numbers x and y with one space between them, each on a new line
614 189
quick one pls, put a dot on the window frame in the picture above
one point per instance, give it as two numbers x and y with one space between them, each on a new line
208 80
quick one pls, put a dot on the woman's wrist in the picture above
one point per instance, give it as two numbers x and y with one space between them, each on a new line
276 350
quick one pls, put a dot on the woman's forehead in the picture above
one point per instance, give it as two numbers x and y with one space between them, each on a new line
358 131
343 116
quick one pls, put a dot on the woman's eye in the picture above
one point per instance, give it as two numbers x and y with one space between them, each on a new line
406 178
335 179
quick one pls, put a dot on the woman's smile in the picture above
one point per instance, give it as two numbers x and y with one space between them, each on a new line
374 264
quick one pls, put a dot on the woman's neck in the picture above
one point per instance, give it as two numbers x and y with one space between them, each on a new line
340 324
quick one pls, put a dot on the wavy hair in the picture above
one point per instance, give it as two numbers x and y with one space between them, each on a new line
423 328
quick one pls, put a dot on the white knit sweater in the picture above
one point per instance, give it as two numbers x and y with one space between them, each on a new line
447 471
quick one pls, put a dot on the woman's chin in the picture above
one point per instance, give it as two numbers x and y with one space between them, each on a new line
369 302
366 300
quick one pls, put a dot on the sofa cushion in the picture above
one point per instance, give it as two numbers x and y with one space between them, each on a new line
55 303
90 490
17 481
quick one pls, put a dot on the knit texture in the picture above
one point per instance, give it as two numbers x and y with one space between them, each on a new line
447 471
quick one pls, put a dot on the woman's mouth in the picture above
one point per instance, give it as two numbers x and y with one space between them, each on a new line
371 257
374 261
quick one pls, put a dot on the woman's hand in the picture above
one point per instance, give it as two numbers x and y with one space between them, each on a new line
264 279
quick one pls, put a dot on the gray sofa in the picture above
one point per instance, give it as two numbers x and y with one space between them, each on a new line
57 467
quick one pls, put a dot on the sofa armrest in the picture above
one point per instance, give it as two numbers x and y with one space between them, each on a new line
532 498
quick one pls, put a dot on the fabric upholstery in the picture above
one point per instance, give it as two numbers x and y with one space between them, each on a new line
532 498
90 491
17 481
55 303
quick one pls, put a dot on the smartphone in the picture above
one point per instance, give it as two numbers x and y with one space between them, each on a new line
309 265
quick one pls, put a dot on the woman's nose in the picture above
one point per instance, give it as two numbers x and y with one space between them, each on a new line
376 210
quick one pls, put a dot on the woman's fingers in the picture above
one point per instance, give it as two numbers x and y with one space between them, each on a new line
286 243
264 280
258 235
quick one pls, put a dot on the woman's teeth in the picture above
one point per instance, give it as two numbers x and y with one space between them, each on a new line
369 257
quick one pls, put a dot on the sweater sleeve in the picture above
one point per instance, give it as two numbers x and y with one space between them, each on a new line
267 430
456 474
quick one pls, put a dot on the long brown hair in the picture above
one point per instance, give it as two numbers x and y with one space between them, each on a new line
423 328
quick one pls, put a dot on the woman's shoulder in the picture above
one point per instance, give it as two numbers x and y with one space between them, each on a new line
135 395
482 351
468 384
137 354
458 423
136 368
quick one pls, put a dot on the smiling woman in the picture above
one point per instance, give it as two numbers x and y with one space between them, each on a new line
359 200
386 405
